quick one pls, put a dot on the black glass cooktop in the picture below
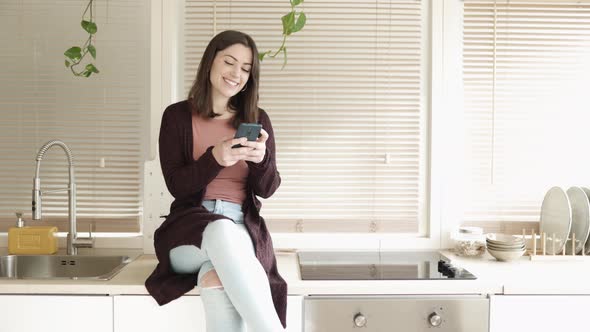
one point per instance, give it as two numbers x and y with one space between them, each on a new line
375 265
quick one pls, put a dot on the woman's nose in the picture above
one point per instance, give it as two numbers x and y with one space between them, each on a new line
235 71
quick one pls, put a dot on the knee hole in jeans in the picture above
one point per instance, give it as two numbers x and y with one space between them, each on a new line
211 280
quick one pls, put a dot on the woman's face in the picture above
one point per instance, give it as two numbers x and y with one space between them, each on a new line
230 70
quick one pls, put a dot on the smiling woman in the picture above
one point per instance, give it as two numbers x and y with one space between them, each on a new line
230 71
214 236
231 68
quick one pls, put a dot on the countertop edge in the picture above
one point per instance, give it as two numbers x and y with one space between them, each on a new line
494 278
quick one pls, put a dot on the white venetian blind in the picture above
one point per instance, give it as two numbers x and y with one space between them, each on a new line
100 118
526 78
348 110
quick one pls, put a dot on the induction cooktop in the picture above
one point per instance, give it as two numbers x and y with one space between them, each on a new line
378 265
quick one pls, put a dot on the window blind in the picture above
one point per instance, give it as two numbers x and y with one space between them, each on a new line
526 77
348 109
102 118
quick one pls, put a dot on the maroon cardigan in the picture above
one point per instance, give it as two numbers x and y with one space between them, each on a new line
186 180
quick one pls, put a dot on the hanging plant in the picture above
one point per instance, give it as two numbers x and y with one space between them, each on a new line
293 22
75 55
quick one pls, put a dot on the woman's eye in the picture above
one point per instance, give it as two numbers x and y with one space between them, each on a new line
228 63
245 70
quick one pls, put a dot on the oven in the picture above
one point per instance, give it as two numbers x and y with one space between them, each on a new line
396 313
391 313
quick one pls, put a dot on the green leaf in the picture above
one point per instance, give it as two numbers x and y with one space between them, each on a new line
92 50
262 55
90 67
67 64
90 27
74 53
288 22
86 73
300 22
296 2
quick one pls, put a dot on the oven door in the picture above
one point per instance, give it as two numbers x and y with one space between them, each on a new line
456 313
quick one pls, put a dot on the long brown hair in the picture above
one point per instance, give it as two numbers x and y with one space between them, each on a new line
245 102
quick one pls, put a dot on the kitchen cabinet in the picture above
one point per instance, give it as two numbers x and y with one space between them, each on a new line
142 313
294 313
33 313
539 313
120 313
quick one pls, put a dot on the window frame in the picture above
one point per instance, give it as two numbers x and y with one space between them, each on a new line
443 101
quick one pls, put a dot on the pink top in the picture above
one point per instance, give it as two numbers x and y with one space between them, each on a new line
230 183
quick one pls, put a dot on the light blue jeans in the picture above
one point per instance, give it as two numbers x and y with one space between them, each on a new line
244 298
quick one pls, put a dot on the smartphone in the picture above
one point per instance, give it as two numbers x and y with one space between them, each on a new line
249 130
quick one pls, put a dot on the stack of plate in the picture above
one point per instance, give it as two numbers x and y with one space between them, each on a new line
505 247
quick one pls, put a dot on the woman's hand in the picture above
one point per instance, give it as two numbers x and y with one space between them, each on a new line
227 156
258 148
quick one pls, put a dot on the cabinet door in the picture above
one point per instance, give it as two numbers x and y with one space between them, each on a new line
34 313
294 313
142 313
539 313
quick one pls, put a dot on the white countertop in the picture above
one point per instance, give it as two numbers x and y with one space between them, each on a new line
518 277
554 275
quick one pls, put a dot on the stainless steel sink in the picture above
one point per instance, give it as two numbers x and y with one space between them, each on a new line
61 267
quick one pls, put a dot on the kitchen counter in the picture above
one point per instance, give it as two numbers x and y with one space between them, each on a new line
560 276
518 277
127 281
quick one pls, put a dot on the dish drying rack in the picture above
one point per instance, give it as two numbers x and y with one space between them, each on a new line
541 253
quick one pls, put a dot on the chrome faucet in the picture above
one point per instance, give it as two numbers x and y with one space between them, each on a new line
74 242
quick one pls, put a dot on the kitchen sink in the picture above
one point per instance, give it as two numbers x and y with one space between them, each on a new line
61 267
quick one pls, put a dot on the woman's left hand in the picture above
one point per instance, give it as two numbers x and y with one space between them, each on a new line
258 152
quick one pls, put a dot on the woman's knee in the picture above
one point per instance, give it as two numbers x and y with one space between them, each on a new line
186 259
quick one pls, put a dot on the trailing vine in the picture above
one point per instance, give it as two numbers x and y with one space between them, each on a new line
293 22
75 54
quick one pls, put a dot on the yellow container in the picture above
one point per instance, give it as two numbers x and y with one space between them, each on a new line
32 240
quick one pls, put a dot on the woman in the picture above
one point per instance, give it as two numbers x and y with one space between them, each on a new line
214 236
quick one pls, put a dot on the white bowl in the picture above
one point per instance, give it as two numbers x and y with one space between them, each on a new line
506 250
506 247
505 256
505 239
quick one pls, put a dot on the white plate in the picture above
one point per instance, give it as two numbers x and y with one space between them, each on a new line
556 219
580 219
587 245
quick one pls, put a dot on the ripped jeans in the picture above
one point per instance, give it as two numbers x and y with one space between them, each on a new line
244 299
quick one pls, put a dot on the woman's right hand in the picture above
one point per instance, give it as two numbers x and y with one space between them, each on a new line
227 156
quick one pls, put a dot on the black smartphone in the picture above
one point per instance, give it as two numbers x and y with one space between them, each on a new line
249 130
